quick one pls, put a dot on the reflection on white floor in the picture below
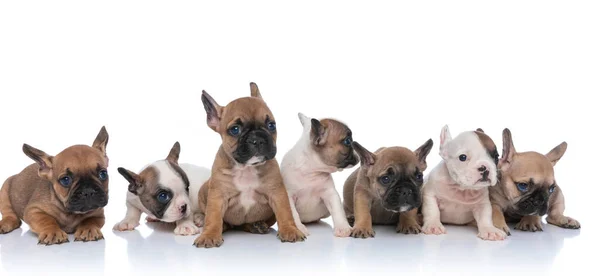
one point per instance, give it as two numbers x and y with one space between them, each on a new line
153 250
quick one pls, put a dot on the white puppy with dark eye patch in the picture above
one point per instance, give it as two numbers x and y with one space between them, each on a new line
456 190
165 191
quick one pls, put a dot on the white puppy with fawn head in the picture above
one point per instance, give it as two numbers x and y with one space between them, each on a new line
456 190
165 191
324 148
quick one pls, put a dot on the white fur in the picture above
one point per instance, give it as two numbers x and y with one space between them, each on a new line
310 186
188 223
246 181
453 193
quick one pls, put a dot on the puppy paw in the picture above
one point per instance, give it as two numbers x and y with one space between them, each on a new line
504 227
208 241
491 234
303 229
342 232
290 234
199 220
187 228
8 224
564 222
362 232
435 228
54 236
530 223
126 225
88 233
409 227
259 227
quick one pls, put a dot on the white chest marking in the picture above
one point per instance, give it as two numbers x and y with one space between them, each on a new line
246 181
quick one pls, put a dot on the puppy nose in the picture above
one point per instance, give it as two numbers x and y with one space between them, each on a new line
183 208
482 169
256 140
405 192
88 192
538 202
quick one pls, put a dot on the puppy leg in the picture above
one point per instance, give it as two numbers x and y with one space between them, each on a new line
186 227
333 202
131 220
431 216
498 219
212 236
363 224
45 226
9 221
89 229
280 203
556 213
483 215
530 223
408 223
296 216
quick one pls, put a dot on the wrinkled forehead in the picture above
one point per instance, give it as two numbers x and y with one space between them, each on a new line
79 159
475 142
162 174
400 160
336 128
532 167
247 110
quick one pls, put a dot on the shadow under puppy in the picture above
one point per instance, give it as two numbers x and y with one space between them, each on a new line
59 195
324 148
456 190
528 189
165 191
246 188
386 189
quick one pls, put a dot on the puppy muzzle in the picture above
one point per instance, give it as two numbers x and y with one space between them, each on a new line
401 197
350 161
535 204
255 147
86 197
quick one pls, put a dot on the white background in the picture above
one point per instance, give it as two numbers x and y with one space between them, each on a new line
395 72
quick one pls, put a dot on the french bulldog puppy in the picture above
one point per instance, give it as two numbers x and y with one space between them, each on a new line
246 188
456 190
386 189
324 148
528 189
165 191
59 195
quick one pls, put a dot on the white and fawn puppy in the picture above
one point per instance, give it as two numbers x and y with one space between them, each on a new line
456 190
167 192
324 148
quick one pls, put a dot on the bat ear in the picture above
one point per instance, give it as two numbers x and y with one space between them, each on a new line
42 159
101 141
367 158
135 181
557 153
508 150
174 153
445 138
422 153
213 111
254 92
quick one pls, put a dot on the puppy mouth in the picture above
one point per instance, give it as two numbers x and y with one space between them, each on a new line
403 208
256 161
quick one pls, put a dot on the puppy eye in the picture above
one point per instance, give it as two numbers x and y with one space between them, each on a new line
163 197
523 187
271 126
552 188
65 181
462 158
419 176
348 141
234 130
103 175
385 180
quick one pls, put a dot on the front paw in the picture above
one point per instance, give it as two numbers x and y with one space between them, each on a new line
362 232
435 228
564 222
8 224
290 234
410 227
209 241
88 233
54 236
187 228
530 223
126 225
504 227
342 232
303 229
491 234
199 220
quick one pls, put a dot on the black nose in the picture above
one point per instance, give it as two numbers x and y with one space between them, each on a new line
256 140
405 192
88 193
183 208
538 202
482 169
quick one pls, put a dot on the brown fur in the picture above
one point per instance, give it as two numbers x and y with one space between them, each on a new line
327 138
527 167
219 199
362 191
35 195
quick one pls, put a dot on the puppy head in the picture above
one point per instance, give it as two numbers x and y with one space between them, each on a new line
246 125
331 140
78 174
471 158
395 174
528 177
162 187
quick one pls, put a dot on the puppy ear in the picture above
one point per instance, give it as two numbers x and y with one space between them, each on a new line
556 153
254 92
480 130
304 120
174 153
319 132
366 157
508 150
42 159
101 141
135 181
422 153
445 137
213 111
